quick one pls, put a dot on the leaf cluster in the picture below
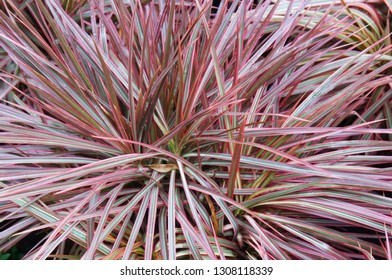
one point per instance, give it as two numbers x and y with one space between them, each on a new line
178 130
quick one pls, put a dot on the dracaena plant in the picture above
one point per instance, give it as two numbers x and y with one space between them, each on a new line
179 130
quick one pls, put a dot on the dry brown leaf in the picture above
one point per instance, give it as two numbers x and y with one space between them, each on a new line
163 168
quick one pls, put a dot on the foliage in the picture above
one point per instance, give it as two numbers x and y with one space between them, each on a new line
175 130
12 254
